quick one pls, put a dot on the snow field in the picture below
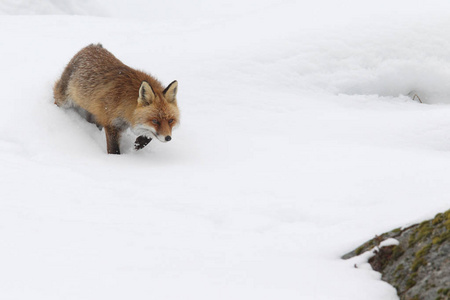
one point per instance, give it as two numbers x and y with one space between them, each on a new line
296 144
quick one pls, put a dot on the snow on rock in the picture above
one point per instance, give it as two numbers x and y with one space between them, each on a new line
362 260
388 242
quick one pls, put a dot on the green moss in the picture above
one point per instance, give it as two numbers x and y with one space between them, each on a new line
444 292
438 219
447 224
399 268
419 258
359 250
366 246
397 230
418 263
447 214
397 251
412 239
424 230
399 276
441 238
424 251
411 281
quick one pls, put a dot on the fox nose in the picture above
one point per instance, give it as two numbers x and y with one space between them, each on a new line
168 138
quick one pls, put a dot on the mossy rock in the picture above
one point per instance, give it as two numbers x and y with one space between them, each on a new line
419 267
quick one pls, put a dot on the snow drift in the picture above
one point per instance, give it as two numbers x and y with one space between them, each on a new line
296 144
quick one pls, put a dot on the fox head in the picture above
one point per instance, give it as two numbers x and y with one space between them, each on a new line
156 113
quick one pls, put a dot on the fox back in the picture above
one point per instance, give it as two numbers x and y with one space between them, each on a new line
114 96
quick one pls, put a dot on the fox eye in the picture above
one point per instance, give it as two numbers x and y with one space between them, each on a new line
154 121
171 121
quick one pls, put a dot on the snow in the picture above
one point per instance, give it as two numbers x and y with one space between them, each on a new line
297 144
362 261
389 242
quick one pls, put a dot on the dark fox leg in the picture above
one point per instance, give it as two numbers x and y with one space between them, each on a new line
141 142
112 139
91 119
87 116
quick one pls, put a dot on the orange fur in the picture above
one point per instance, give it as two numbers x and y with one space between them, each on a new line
115 96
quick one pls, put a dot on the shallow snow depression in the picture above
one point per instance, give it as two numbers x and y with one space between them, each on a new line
296 144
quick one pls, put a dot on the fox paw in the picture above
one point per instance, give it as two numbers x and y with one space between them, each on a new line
141 142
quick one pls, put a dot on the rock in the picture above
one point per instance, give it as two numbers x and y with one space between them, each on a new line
419 266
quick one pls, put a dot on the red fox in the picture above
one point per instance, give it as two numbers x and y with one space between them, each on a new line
115 97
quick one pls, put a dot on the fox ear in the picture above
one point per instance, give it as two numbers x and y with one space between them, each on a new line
170 93
146 94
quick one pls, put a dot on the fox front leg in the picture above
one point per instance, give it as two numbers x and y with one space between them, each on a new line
112 139
141 142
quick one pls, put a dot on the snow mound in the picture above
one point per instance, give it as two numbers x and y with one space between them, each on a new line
50 7
137 9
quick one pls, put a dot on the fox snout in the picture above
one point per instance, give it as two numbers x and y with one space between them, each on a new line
163 138
151 132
